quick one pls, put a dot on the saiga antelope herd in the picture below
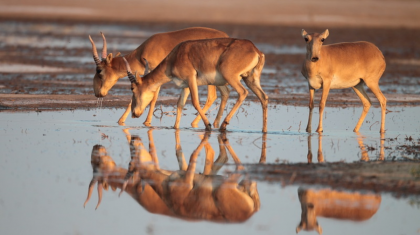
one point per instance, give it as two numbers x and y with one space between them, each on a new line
210 58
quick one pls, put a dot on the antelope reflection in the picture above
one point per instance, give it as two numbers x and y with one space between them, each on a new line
362 146
336 205
181 193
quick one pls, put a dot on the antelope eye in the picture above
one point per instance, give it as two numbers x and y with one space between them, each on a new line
132 88
322 40
306 39
98 71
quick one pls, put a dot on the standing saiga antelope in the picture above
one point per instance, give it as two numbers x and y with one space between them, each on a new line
194 63
109 69
339 66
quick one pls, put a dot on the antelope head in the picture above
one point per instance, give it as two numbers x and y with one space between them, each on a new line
140 159
105 76
142 94
314 43
308 219
250 187
102 165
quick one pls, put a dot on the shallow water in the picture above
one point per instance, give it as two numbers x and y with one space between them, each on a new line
45 169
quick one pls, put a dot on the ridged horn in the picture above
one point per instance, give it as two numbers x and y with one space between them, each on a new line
104 50
126 179
99 194
91 185
95 53
129 73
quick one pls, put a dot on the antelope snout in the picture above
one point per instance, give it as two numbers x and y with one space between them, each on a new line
135 114
314 59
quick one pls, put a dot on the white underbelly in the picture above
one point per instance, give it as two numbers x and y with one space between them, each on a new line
215 79
343 83
179 82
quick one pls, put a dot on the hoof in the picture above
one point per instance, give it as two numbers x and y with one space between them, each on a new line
195 125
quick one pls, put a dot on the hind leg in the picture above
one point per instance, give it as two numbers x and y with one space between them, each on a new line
242 92
255 87
224 92
360 91
374 87
211 97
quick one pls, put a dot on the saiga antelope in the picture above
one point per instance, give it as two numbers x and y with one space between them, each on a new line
334 204
109 69
216 62
212 197
339 66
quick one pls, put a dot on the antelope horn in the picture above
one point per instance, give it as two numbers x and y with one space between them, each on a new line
99 195
146 67
91 185
104 51
126 179
95 52
129 73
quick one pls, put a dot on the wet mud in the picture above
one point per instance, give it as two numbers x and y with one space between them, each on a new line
280 176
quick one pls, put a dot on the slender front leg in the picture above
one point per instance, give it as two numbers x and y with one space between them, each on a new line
320 154
382 147
263 158
125 115
211 97
365 155
233 178
180 106
152 108
311 107
309 156
208 166
325 91
189 174
224 92
179 154
152 149
196 102
221 159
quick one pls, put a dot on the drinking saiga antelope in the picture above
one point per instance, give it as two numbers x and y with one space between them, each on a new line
194 63
183 194
339 66
336 205
109 69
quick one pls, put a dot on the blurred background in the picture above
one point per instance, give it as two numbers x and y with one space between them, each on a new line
379 13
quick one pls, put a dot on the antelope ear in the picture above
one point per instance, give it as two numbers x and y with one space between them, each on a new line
319 229
304 33
298 228
325 34
139 79
109 58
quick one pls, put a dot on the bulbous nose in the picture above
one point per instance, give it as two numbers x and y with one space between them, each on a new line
314 59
